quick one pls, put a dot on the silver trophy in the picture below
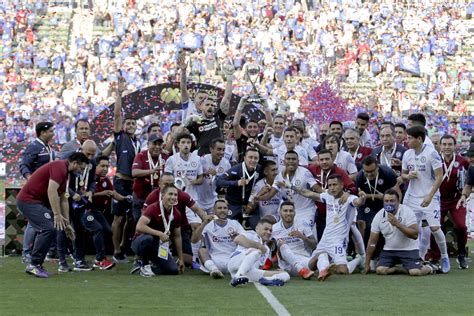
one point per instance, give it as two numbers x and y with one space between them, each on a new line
252 72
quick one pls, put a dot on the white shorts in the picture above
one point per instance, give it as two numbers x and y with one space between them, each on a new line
291 268
221 263
192 217
431 213
335 249
254 274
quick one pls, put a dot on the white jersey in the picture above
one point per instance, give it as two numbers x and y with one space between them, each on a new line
190 109
309 144
339 218
305 208
207 190
280 153
219 240
296 245
346 162
395 239
424 163
181 168
253 236
271 206
230 151
276 142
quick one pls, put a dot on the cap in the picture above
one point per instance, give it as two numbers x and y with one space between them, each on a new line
155 137
43 126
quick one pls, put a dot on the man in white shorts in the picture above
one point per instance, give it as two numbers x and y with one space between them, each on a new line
250 254
218 237
295 242
422 167
341 208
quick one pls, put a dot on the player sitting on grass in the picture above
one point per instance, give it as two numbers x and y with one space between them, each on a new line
397 223
295 242
251 253
218 237
340 208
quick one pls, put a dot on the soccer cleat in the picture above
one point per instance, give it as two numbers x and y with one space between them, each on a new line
462 262
120 258
216 274
445 266
37 271
82 265
273 282
137 265
434 268
267 265
146 271
306 273
239 281
325 273
64 267
104 264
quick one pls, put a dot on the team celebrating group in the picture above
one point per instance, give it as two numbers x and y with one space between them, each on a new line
261 201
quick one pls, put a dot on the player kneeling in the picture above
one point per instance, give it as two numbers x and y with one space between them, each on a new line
340 208
295 242
250 254
398 225
218 236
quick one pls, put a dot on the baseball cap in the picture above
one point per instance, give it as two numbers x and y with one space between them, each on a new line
43 126
154 138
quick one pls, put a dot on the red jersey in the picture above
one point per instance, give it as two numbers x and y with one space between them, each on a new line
361 153
153 212
184 200
102 203
35 190
348 183
453 181
143 186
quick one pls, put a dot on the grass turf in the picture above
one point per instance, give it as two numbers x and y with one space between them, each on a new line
117 292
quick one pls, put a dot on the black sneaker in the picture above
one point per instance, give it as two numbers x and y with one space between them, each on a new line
462 262
137 265
120 258
52 256
82 265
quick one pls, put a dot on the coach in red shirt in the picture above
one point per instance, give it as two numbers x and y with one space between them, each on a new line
44 201
159 223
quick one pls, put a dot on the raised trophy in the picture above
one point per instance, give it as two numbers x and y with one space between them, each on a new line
252 72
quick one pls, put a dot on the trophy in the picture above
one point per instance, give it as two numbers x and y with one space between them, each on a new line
253 72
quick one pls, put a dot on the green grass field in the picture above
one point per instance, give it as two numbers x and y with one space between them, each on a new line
116 292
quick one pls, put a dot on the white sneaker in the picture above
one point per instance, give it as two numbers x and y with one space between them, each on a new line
146 271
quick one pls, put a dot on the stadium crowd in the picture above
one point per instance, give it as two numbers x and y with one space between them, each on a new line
224 193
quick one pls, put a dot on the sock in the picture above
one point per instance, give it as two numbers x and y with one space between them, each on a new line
441 241
248 262
424 241
288 255
210 265
353 264
284 276
358 240
195 247
323 261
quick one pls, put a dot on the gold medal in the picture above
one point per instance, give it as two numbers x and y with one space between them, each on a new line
66 195
155 176
81 183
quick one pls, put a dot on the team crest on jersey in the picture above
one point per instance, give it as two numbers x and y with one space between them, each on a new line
220 170
194 164
359 155
201 128
297 182
90 218
229 213
367 210
104 184
398 154
380 182
411 167
47 215
423 159
456 164
231 230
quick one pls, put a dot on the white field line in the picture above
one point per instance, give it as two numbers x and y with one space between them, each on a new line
272 300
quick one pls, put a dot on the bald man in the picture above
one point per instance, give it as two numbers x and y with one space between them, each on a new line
81 189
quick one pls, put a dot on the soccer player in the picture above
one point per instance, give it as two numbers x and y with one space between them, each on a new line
127 146
454 171
389 154
341 209
418 119
147 167
239 181
422 167
250 254
35 155
159 225
213 165
44 202
357 151
398 225
218 238
341 158
295 242
202 118
362 122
